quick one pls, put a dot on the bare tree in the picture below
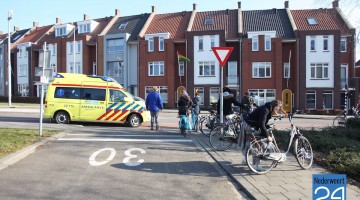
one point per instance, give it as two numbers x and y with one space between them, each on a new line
351 10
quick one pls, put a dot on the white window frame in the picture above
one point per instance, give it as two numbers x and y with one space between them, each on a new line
23 70
207 64
212 41
255 43
324 71
201 94
312 40
71 48
306 100
267 41
153 65
123 26
257 66
214 90
161 44
332 99
23 90
201 43
53 50
325 43
78 47
286 70
343 43
261 96
181 68
151 44
312 21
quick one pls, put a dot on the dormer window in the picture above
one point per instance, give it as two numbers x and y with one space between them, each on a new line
312 21
84 28
60 31
122 26
208 21
87 26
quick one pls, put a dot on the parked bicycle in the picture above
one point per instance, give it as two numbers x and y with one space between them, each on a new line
340 120
208 122
262 156
224 135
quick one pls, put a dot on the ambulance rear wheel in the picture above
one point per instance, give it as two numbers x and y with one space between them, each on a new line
62 117
134 120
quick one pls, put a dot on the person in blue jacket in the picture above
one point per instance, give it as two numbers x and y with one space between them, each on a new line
154 104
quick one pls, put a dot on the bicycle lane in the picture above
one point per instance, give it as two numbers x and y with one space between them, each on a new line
287 181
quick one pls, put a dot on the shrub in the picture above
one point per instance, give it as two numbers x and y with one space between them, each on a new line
353 123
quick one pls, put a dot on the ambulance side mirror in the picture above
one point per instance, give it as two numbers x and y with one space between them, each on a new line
127 99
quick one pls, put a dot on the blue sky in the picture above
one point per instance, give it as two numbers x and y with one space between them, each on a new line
25 12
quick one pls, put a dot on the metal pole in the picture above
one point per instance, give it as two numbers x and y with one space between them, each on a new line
42 91
9 58
74 51
221 95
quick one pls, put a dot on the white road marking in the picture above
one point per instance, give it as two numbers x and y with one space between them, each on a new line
126 160
122 140
92 159
119 135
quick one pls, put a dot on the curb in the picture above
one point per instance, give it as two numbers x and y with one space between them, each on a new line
23 153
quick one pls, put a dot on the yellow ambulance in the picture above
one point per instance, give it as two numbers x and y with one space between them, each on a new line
79 97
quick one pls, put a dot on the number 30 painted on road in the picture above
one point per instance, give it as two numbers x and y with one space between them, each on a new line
126 160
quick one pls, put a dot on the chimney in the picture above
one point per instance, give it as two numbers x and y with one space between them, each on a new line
153 9
86 17
239 4
16 28
58 20
286 4
35 24
335 3
194 6
117 12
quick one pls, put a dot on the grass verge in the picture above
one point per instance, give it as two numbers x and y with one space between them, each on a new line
337 149
12 140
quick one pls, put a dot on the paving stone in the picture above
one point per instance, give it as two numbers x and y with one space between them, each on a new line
294 195
277 196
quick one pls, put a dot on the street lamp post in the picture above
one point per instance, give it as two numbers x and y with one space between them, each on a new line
9 57
74 51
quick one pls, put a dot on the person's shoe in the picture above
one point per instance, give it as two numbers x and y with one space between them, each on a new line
152 128
243 162
157 128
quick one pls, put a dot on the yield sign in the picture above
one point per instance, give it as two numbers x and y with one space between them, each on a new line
222 54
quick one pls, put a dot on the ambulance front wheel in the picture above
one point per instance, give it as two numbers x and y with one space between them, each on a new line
134 120
62 117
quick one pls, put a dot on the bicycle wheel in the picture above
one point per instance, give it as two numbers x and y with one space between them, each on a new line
218 140
303 152
256 157
204 127
339 121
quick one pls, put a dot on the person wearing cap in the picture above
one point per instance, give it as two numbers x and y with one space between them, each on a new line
154 104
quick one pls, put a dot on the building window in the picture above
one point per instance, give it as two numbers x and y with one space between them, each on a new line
255 43
311 100
115 45
151 44
319 70
23 90
76 69
161 43
115 70
122 26
343 44
78 47
20 52
261 70
23 70
312 21
214 95
208 21
267 43
181 68
326 43
261 96
286 70
84 28
207 68
328 100
201 43
60 31
201 94
312 43
163 90
212 42
71 47
156 68
53 52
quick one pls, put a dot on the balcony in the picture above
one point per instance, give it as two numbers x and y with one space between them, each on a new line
232 80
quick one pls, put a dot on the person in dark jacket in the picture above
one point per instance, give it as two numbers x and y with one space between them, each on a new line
196 108
248 102
154 104
261 116
229 101
184 103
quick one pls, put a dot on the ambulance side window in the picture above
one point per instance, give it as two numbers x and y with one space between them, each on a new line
116 96
67 93
93 94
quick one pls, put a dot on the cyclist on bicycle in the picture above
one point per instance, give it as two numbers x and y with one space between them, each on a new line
229 100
